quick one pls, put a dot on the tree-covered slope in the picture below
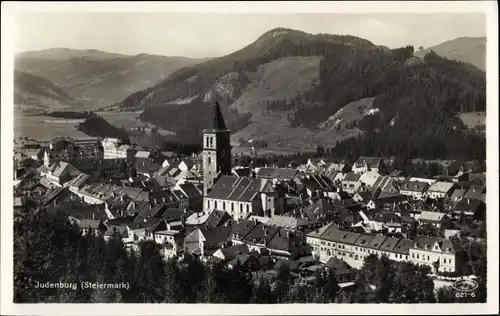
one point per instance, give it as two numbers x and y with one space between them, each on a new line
413 100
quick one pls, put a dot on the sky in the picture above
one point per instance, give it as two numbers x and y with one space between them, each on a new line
199 35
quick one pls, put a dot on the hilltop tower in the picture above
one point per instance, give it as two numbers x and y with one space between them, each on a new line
216 150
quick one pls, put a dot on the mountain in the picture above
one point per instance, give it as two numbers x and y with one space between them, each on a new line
99 78
37 93
298 90
67 53
466 49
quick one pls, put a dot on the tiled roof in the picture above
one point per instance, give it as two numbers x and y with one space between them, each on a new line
427 243
352 177
431 216
216 235
440 187
89 223
142 154
235 188
371 161
376 242
403 246
216 218
415 186
389 244
242 228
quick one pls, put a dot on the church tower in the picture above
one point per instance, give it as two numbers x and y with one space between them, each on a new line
216 150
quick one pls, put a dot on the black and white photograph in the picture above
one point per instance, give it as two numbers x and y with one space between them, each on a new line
249 158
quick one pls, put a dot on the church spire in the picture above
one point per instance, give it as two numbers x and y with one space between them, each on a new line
218 123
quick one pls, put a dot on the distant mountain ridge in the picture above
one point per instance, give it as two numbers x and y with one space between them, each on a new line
37 93
99 78
466 49
62 53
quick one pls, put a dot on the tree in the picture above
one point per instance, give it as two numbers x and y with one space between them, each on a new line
132 172
412 285
123 168
210 289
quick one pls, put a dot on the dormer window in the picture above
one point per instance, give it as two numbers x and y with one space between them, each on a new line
448 249
426 246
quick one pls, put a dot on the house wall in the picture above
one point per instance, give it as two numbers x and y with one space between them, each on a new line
354 254
414 194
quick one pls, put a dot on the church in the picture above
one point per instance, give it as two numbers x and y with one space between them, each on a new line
241 197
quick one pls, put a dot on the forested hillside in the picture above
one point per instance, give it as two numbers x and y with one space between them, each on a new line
96 126
414 100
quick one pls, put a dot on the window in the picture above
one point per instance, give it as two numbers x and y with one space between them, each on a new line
206 142
232 206
444 260
209 160
428 258
248 208
215 204
223 206
241 207
418 256
208 203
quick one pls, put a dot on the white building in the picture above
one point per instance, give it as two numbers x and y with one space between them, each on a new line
440 189
114 149
332 242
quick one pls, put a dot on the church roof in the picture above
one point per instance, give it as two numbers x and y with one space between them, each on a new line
218 123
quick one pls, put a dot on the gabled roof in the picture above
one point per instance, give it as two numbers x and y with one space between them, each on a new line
233 251
389 244
352 177
242 172
89 223
440 187
79 180
233 188
290 222
371 161
428 243
458 193
376 242
403 246
260 234
216 235
190 190
265 172
469 205
216 219
415 186
242 228
475 192
142 154
431 216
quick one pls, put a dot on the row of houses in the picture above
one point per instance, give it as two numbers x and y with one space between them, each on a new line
440 254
